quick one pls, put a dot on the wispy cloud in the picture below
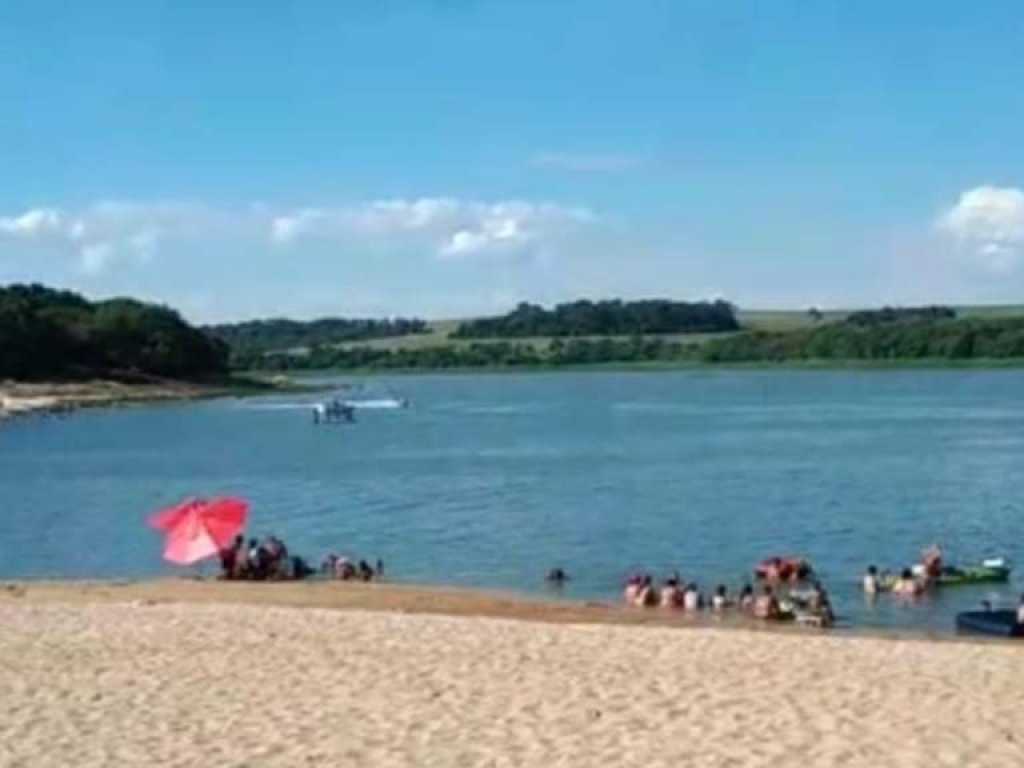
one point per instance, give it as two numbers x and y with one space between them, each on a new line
111 233
450 228
35 222
577 162
987 225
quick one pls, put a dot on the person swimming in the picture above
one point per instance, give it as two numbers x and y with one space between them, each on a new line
746 598
692 600
671 594
556 577
870 581
907 585
647 596
766 606
931 559
719 600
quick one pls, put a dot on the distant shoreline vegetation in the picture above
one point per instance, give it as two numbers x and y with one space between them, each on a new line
59 335
604 318
281 334
46 334
933 336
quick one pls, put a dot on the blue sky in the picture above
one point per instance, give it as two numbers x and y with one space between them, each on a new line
453 157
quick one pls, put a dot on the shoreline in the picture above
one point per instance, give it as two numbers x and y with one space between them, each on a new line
434 600
668 366
22 398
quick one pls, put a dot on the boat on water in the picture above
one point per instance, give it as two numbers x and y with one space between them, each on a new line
993 571
994 623
333 412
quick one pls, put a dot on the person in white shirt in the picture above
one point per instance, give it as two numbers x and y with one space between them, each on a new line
1020 611
691 598
720 599
871 580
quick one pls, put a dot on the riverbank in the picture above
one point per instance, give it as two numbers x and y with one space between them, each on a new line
655 366
181 672
24 398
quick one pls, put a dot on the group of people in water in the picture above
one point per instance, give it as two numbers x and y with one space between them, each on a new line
913 581
776 600
343 569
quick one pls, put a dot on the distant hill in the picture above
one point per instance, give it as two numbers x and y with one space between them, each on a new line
280 335
51 334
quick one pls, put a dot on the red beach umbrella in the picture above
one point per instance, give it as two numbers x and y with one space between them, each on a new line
199 528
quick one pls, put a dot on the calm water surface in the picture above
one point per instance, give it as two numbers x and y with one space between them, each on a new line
490 480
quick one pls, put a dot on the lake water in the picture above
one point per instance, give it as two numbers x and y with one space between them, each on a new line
489 480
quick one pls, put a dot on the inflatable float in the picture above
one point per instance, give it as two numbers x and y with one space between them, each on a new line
995 623
783 569
989 572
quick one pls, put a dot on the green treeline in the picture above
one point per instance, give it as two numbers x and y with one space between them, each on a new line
496 354
899 340
281 334
888 315
46 333
604 318
956 339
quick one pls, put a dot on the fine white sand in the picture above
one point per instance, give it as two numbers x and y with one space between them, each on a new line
104 683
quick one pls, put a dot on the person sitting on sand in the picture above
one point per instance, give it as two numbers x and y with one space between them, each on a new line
328 564
229 556
632 588
671 594
365 571
343 569
692 600
766 606
253 560
747 598
720 600
871 584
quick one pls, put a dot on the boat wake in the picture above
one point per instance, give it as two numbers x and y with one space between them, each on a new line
367 405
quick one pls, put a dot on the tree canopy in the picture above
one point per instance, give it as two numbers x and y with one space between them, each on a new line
46 333
604 318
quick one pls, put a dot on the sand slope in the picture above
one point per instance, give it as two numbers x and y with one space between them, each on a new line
96 684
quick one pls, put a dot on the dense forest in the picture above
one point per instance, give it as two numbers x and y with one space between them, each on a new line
280 334
604 318
45 333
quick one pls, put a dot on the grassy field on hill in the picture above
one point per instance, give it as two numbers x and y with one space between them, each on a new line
752 320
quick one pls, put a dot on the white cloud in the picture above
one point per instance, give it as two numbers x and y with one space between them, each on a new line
32 223
987 224
284 229
446 226
586 163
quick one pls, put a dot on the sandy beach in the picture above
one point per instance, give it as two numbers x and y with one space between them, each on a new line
180 673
